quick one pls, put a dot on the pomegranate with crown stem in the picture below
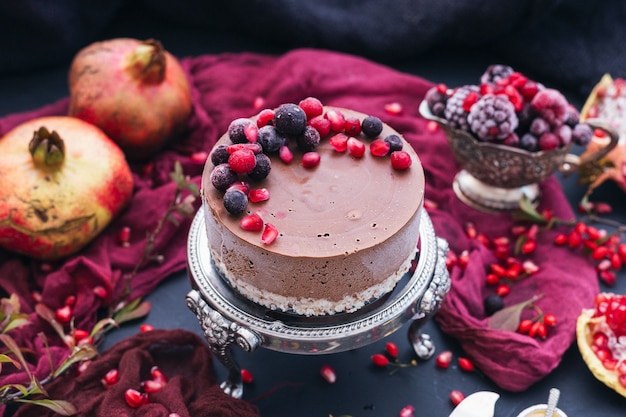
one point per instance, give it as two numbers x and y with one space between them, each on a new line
135 91
63 181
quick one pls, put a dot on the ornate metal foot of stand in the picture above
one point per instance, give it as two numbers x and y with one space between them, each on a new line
228 320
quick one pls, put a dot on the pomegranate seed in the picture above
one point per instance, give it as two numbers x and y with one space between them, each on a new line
146 328
622 380
150 386
407 411
258 102
529 247
352 126
549 320
311 159
256 148
80 334
123 237
560 239
391 349
157 375
603 265
492 279
470 230
451 260
444 359
431 205
524 326
63 314
400 160
466 364
82 366
518 230
285 154
356 147
251 222
46 267
251 132
608 277
337 120
463 259
258 194
503 290
110 378
135 399
70 300
380 360
242 186
602 208
442 88
484 240
321 124
265 117
379 147
246 376
530 267
432 126
394 108
456 397
199 158
339 142
270 233
99 291
328 373
312 107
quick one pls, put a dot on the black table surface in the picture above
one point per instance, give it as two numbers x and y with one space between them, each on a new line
290 384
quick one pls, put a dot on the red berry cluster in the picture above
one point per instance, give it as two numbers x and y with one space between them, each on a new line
390 358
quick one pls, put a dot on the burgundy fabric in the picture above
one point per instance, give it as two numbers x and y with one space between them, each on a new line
224 88
184 359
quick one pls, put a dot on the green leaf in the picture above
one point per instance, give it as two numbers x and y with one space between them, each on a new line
15 323
80 353
61 407
10 343
528 212
48 315
102 326
509 317
133 311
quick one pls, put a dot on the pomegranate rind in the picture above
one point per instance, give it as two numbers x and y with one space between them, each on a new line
585 325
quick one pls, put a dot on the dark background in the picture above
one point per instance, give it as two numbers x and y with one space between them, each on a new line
537 38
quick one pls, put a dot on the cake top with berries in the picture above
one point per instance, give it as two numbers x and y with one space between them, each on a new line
313 182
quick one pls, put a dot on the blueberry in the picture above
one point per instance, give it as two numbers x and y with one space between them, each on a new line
262 167
290 119
582 134
223 176
236 130
371 126
309 139
219 155
235 201
395 143
493 303
270 139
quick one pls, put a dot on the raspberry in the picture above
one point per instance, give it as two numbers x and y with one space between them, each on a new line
539 126
270 140
223 176
495 73
235 201
371 126
436 99
395 143
242 161
236 130
551 105
548 141
455 113
219 155
582 134
308 140
493 118
262 167
290 119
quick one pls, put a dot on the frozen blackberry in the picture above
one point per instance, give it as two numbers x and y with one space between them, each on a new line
236 130
493 303
455 112
529 142
371 126
495 73
572 117
309 140
436 98
235 201
493 118
270 140
582 134
395 143
219 155
262 167
290 119
539 126
222 176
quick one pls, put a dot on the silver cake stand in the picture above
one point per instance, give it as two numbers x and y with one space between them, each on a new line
228 319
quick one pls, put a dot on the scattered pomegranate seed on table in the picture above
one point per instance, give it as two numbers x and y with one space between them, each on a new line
443 359
328 373
456 397
246 376
407 411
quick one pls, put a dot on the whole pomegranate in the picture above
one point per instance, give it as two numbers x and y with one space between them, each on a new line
63 180
135 91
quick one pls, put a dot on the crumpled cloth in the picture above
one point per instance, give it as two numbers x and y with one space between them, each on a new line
184 359
225 87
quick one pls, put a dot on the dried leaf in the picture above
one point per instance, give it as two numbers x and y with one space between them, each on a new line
48 315
10 343
528 212
61 407
509 317
133 311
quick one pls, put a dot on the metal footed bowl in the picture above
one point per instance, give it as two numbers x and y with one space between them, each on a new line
495 177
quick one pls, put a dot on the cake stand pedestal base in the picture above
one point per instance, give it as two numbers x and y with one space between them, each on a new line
227 319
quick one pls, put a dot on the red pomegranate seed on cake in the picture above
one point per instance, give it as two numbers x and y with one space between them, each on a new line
310 159
400 160
321 124
265 117
339 142
312 107
352 126
285 154
394 108
337 120
242 186
456 397
257 195
356 148
251 132
251 222
379 147
256 148
328 373
444 359
270 233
